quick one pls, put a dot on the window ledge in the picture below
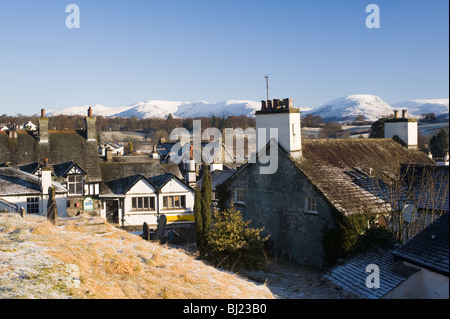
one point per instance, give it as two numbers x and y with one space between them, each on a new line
239 204
312 212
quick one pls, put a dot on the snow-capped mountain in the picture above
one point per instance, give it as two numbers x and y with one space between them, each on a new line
349 107
344 109
161 109
419 107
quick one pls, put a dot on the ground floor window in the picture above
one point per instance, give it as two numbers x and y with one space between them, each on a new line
177 201
143 203
33 205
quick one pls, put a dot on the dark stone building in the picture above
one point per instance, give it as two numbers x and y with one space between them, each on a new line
303 197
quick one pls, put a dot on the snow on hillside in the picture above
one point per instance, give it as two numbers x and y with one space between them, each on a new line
221 109
421 106
155 109
349 107
161 109
82 110
343 109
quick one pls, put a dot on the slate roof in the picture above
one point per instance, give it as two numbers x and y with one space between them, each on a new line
330 165
424 186
119 177
425 251
63 146
352 275
14 182
217 178
122 185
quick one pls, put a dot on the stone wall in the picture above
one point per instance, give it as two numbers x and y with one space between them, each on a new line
277 202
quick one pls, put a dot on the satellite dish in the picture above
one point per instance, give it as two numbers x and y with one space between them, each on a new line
408 212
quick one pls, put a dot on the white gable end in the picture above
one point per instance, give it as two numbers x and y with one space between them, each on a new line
175 186
142 187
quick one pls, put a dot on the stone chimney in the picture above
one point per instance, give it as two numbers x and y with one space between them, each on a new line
191 175
43 128
46 179
12 131
91 131
281 115
109 154
404 129
155 154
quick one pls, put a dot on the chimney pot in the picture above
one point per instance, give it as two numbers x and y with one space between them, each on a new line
263 105
288 103
269 105
90 112
42 112
404 114
275 104
396 114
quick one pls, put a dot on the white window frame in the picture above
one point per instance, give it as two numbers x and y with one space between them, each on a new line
170 199
311 205
239 195
142 201
75 185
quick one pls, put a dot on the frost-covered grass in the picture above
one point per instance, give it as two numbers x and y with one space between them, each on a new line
39 260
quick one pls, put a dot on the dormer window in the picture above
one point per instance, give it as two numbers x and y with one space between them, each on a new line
75 184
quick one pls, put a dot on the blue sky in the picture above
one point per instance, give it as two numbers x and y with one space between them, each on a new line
215 50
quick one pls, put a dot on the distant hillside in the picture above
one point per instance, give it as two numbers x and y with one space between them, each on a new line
161 109
419 107
372 107
39 260
344 109
349 107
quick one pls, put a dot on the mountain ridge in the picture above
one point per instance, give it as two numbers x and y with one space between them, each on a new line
343 109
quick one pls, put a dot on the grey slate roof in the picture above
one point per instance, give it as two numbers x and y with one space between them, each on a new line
424 251
63 146
16 182
120 177
217 178
62 169
428 183
122 185
352 275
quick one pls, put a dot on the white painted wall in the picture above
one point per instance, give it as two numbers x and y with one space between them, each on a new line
423 284
21 201
289 130
176 187
406 131
144 189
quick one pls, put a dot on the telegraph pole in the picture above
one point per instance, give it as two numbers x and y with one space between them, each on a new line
267 86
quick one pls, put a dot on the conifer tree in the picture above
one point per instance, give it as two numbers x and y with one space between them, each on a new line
439 144
206 194
198 217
